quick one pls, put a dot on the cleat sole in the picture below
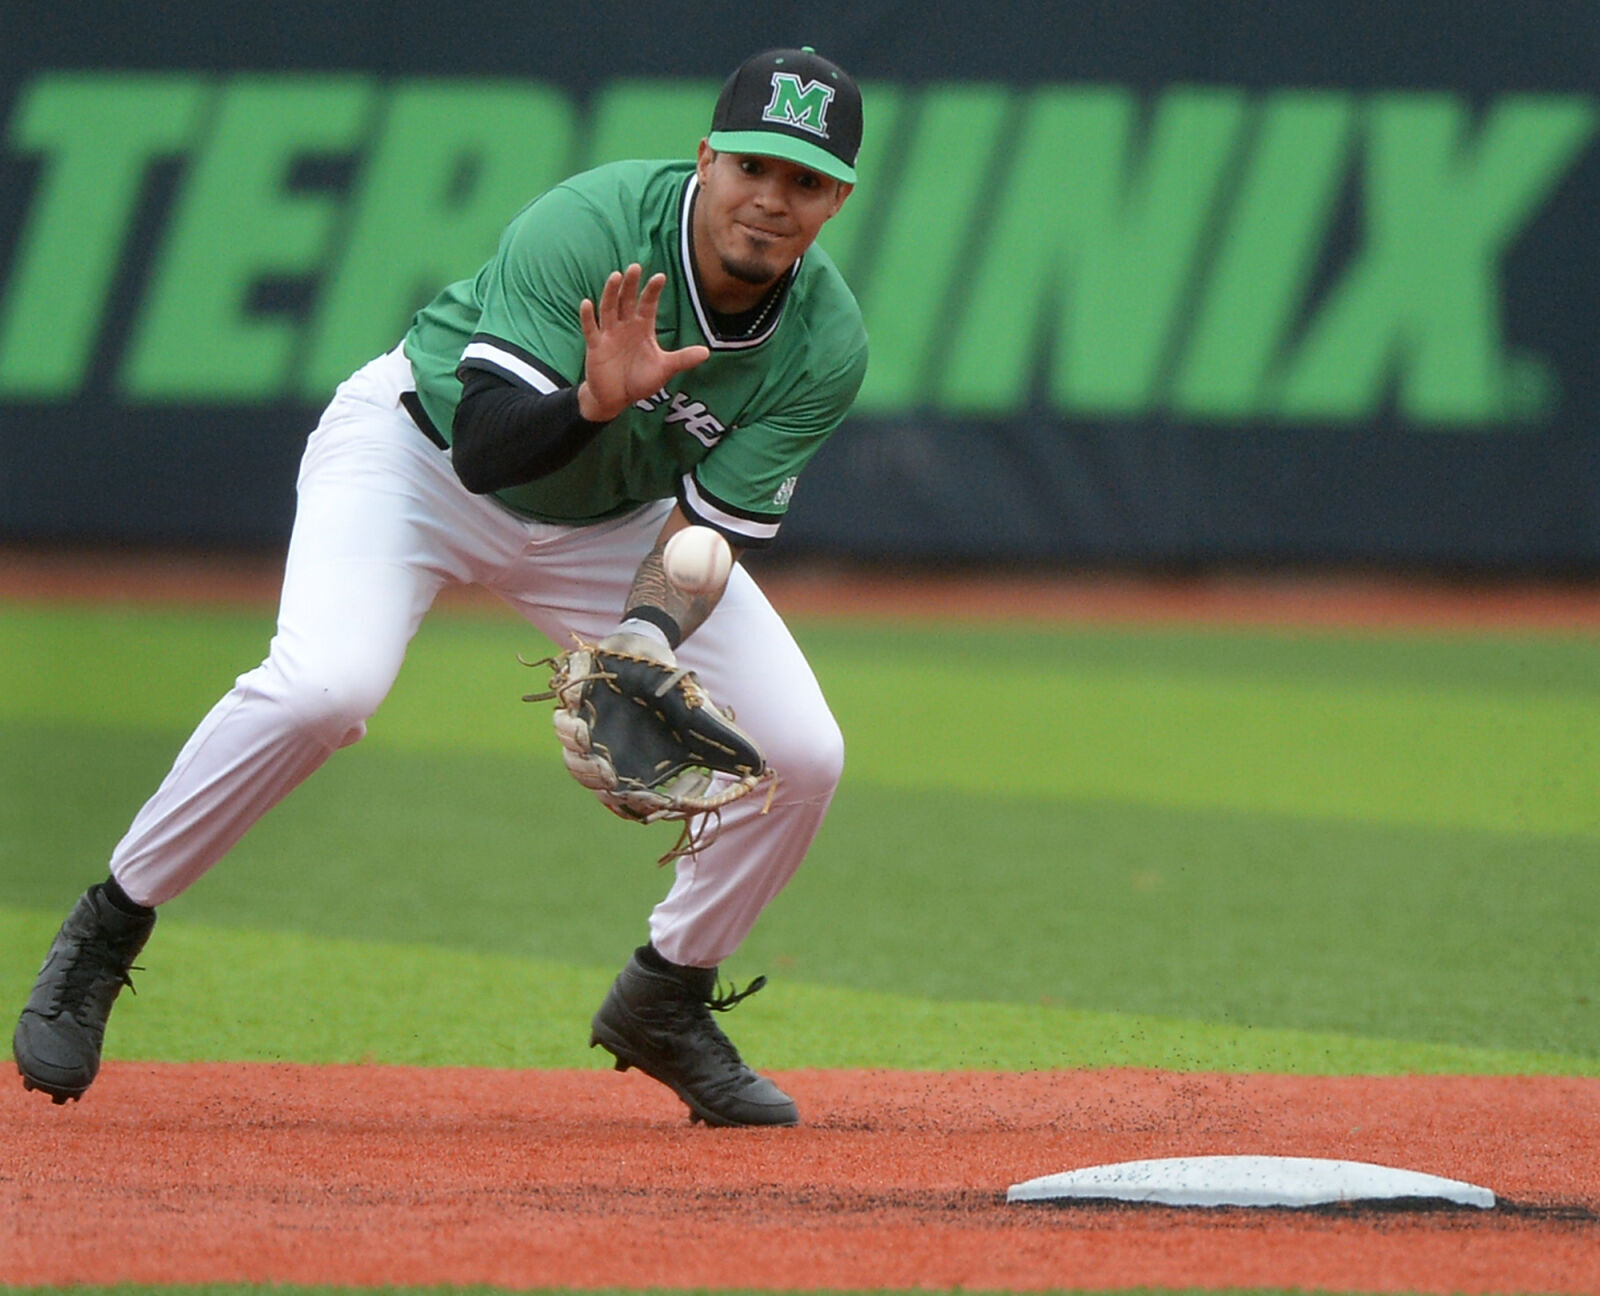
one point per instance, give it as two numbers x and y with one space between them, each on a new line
621 1063
57 1096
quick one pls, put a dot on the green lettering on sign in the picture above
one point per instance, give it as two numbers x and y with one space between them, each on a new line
237 223
98 135
648 119
453 163
1419 309
943 170
1263 263
1096 239
1300 256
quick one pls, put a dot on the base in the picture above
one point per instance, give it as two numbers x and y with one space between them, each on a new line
1249 1181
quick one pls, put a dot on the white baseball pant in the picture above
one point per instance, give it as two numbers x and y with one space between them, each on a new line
381 526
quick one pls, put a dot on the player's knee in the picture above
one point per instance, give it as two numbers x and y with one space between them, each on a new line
809 760
340 715
328 703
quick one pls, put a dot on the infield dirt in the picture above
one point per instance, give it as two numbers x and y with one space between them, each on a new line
373 1175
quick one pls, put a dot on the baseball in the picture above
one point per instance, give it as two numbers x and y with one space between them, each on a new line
697 560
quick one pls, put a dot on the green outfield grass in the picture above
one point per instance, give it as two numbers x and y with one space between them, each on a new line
1085 847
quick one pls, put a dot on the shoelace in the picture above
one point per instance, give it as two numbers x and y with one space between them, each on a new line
92 960
693 1016
80 978
723 1002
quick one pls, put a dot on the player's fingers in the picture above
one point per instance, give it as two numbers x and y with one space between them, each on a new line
591 328
686 357
609 296
652 294
628 295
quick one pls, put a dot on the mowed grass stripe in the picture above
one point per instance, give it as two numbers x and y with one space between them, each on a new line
210 994
1422 757
1295 729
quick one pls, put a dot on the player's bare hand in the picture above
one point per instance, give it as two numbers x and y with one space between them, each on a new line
624 361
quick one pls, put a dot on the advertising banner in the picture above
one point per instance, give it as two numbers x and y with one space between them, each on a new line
1148 282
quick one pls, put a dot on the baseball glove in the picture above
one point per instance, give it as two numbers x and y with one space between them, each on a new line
642 734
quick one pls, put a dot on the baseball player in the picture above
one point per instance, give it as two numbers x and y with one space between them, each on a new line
652 345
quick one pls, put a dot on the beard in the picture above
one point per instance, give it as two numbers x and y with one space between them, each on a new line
750 270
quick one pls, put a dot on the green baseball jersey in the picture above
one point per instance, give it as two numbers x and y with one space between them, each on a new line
729 437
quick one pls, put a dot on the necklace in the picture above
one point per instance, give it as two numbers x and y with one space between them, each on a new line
773 295
749 324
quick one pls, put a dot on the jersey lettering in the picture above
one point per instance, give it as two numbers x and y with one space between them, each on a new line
698 421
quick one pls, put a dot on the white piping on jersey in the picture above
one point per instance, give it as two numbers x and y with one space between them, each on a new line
503 359
701 313
721 518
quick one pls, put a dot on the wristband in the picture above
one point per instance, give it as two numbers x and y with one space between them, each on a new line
657 620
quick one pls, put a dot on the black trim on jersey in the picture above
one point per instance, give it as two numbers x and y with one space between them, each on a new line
508 369
707 317
412 404
729 517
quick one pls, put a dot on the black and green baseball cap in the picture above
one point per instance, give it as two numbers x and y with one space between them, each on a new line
792 104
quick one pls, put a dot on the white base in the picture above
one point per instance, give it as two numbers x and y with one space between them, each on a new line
1247 1181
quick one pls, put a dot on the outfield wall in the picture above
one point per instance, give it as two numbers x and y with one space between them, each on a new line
1148 281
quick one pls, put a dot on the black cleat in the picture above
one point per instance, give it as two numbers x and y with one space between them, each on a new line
59 1037
660 1021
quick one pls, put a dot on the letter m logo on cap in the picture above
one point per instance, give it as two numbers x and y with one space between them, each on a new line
799 104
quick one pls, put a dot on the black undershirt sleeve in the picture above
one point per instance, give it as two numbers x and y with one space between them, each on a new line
504 435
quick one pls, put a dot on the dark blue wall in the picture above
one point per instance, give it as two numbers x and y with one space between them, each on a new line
1453 220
